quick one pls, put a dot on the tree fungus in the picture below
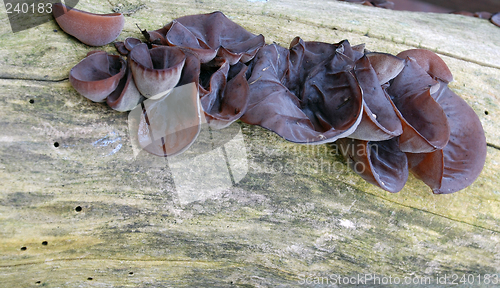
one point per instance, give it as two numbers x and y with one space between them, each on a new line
395 112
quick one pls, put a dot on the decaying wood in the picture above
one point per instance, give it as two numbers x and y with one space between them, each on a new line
274 227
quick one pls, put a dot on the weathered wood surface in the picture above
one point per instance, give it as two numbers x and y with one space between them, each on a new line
270 229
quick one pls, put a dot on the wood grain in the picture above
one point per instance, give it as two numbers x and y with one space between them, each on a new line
297 212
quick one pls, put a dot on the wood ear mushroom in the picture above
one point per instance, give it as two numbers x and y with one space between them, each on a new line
91 29
390 114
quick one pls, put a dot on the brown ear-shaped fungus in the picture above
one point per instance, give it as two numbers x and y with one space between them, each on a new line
495 19
178 35
169 125
271 104
383 4
126 96
120 47
380 121
155 38
379 163
460 162
191 70
223 90
413 79
126 46
483 15
330 96
304 94
97 75
360 48
92 29
425 127
430 62
386 66
398 114
131 42
156 71
226 97
208 35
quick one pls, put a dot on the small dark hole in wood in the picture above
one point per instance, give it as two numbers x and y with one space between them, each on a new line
45 243
56 144
32 101
130 273
78 209
90 278
38 282
486 112
23 248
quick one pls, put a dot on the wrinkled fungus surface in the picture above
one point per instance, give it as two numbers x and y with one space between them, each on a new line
208 36
390 115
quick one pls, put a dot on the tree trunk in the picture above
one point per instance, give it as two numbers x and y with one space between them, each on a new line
78 209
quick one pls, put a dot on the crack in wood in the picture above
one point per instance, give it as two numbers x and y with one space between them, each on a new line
34 79
493 146
436 214
110 259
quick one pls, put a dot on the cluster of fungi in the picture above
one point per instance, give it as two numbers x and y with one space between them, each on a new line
392 114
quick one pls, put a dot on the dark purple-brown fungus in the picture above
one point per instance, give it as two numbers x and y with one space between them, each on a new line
220 47
224 95
380 163
446 169
97 75
126 46
210 35
495 19
430 62
91 29
380 121
389 114
386 66
425 127
461 161
307 94
126 96
156 71
483 15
